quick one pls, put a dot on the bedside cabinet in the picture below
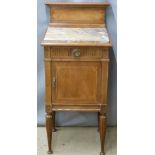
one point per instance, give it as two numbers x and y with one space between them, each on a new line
76 56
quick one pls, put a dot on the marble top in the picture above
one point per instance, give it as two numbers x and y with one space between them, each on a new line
75 35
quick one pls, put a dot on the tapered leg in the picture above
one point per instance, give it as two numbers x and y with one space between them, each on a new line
49 126
54 128
102 132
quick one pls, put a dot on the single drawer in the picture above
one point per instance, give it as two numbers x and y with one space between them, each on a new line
78 52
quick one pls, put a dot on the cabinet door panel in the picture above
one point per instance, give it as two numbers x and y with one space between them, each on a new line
76 82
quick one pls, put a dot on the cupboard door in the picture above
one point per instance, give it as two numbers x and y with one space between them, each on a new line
76 82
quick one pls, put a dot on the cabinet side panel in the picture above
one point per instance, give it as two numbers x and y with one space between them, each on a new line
78 15
104 82
48 90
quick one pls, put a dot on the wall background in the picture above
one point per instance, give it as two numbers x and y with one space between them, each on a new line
77 118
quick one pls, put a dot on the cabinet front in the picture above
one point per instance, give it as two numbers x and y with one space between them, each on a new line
76 82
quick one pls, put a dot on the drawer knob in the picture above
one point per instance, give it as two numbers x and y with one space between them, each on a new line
76 52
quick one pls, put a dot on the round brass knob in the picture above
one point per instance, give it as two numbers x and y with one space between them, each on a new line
76 52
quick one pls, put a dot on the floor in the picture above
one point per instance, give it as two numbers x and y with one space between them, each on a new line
77 141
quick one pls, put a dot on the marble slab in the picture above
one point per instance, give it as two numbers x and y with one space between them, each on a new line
74 35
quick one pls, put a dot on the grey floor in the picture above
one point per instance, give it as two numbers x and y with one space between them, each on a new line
77 141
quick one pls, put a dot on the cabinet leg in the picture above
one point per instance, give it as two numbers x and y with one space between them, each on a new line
54 128
49 126
102 129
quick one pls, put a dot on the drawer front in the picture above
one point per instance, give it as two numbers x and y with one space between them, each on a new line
78 52
76 82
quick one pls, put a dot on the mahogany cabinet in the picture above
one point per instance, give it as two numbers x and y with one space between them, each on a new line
76 55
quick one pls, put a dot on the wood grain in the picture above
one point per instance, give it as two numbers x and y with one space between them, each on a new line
48 90
49 126
76 73
75 88
77 15
85 52
73 25
102 129
104 82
